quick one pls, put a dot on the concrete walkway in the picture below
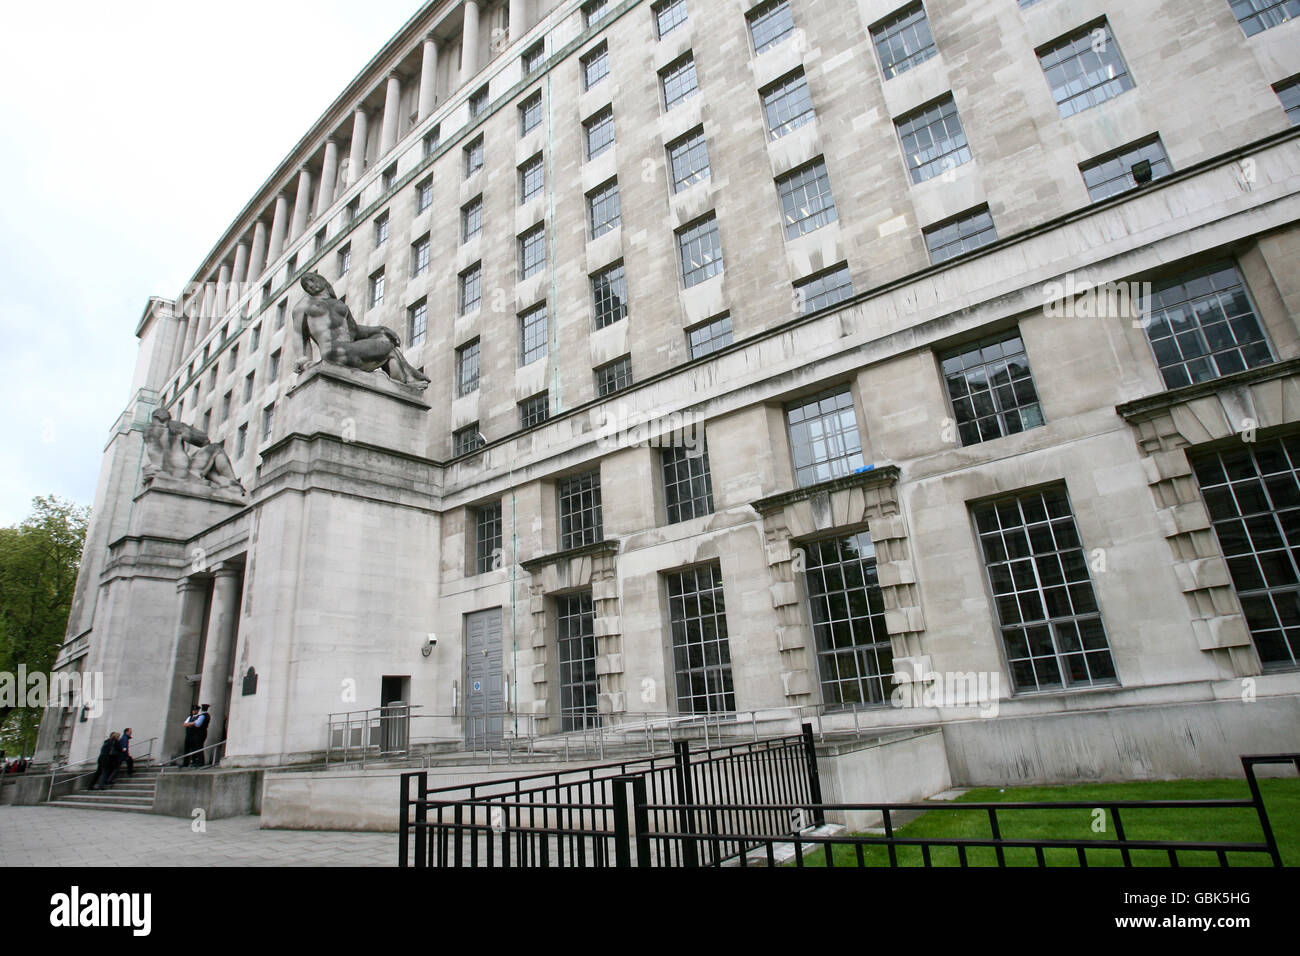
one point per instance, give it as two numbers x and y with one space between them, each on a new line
51 836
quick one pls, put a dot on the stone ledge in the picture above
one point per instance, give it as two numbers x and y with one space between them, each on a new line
533 565
872 478
1141 408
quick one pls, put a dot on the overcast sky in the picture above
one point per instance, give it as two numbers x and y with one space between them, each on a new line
131 134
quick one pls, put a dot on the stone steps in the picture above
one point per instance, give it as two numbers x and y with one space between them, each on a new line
134 793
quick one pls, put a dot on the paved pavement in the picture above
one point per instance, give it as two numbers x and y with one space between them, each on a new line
54 836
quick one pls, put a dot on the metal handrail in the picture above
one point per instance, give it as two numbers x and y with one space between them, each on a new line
162 768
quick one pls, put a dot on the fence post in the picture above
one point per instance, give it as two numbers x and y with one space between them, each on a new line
814 781
622 833
403 827
1248 766
422 821
685 795
641 821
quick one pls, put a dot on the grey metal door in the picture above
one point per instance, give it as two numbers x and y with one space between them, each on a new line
485 701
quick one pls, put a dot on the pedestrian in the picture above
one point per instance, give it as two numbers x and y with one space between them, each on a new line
126 752
201 733
110 757
191 735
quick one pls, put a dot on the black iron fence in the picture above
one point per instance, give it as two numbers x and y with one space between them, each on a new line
760 803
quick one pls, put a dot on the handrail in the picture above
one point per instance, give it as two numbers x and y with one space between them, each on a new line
162 768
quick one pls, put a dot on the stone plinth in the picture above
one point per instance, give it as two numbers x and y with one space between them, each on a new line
364 407
179 510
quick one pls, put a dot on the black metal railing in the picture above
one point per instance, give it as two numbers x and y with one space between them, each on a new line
760 803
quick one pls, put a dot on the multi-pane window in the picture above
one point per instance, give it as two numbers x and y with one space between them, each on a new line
1202 325
466 440
319 242
424 195
1051 627
478 101
420 256
1085 69
595 66
530 114
688 486
614 376
609 289
600 132
471 219
697 616
268 421
345 260
487 537
575 630
824 289
580 511
471 288
249 381
474 157
824 437
534 411
1288 94
533 57
467 365
377 288
787 104
769 24
225 406
389 177
1119 172
1252 493
806 200
352 210
678 81
1256 16
969 231
709 336
903 40
701 250
532 335
532 178
281 312
431 139
381 229
272 372
257 339
855 658
593 11
688 160
933 139
241 441
604 209
417 322
991 388
532 251
669 15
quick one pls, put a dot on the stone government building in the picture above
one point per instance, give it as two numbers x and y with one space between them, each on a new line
854 242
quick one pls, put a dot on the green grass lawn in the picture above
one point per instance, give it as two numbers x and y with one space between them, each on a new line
1281 799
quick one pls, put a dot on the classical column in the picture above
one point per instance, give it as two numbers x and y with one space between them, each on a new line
191 597
279 225
329 175
518 15
223 288
219 648
428 78
239 277
182 333
208 308
302 204
357 156
392 113
257 258
469 42
191 328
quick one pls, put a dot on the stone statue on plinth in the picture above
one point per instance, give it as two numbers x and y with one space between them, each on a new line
167 455
326 320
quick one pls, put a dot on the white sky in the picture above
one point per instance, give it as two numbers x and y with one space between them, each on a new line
131 134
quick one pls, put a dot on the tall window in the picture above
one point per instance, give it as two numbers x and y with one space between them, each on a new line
431 139
603 208
420 256
855 658
697 616
1252 493
471 288
688 485
614 377
824 289
669 15
701 250
1256 16
956 237
241 441
903 40
1051 626
709 336
389 177
345 261
424 195
688 160
225 406
609 289
678 81
580 511
257 339
268 421
381 229
467 367
532 178
417 322
487 537
787 104
532 251
534 411
249 379
474 157
1119 171
532 335
471 219
466 440
281 312
575 618
273 371
1288 94
770 24
530 114
377 288
824 437
1202 326
595 66
593 11
933 139
478 101
600 132
806 200
1084 69
534 57
991 388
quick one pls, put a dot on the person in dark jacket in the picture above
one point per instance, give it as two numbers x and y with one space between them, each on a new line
110 758
191 735
126 752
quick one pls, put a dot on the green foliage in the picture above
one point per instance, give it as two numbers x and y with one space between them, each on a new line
38 573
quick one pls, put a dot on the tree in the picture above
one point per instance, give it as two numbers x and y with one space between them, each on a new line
38 573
